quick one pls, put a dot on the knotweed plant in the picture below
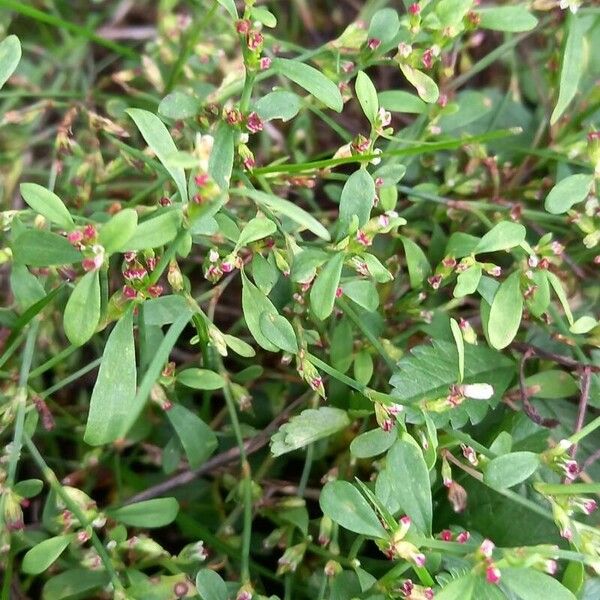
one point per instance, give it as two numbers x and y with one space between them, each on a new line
299 300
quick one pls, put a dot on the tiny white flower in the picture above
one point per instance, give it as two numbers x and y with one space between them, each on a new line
478 391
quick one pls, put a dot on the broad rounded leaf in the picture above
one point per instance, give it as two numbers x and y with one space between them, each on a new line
82 311
48 204
211 586
402 101
42 555
510 469
254 304
567 192
371 443
256 229
279 104
345 505
157 512
200 379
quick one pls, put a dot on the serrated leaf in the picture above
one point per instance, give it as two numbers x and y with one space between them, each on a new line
506 312
157 512
324 289
309 426
115 387
278 330
312 80
345 505
82 312
367 96
568 192
159 139
426 88
357 198
10 55
48 204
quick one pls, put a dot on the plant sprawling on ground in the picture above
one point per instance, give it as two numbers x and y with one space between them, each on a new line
299 299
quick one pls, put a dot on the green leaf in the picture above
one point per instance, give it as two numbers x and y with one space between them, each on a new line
363 292
288 209
74 583
572 66
256 229
309 426
239 346
363 367
506 18
323 290
279 331
28 488
506 312
426 88
178 105
451 12
39 248
561 294
416 261
47 204
197 438
42 555
357 198
345 505
367 96
583 325
154 232
82 312
402 101
254 303
264 273
409 478
164 310
229 6
371 443
568 192
200 379
157 136
502 236
264 15
220 162
115 233
115 386
312 80
210 585
551 384
530 584
384 25
279 104
458 589
510 469
10 55
25 286
467 281
460 348
157 512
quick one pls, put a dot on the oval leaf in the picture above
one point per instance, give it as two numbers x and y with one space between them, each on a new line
426 88
506 312
323 291
200 379
509 469
529 584
115 234
42 555
345 505
10 55
47 204
149 513
567 192
501 236
367 96
38 248
82 312
158 231
278 330
356 200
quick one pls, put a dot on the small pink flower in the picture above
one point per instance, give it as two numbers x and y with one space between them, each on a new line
227 267
92 264
362 238
419 559
442 100
249 163
557 248
593 136
233 116
339 292
374 43
589 506
551 567
255 40
347 66
254 123
571 469
387 425
414 9
427 58
316 383
492 575
265 63
463 537
129 256
201 179
164 201
407 588
89 233
395 409
129 293
566 533
435 281
404 49
151 263
449 262
75 237
487 548
379 181
384 220
242 26
495 271
155 290
446 535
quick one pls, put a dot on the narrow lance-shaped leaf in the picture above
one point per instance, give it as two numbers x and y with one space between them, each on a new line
324 289
367 96
502 236
416 261
506 312
254 304
220 162
157 512
572 66
460 347
157 136
312 80
115 386
278 330
82 312
47 204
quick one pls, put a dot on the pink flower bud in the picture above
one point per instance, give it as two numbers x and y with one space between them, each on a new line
492 575
242 26
129 293
75 237
446 535
89 233
362 238
164 201
487 548
155 290
265 63
255 40
254 123
435 281
414 9
201 179
374 43
463 537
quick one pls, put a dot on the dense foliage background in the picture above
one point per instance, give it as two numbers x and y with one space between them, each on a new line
299 299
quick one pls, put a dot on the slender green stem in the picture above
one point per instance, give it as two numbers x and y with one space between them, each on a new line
55 360
58 489
556 489
585 431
